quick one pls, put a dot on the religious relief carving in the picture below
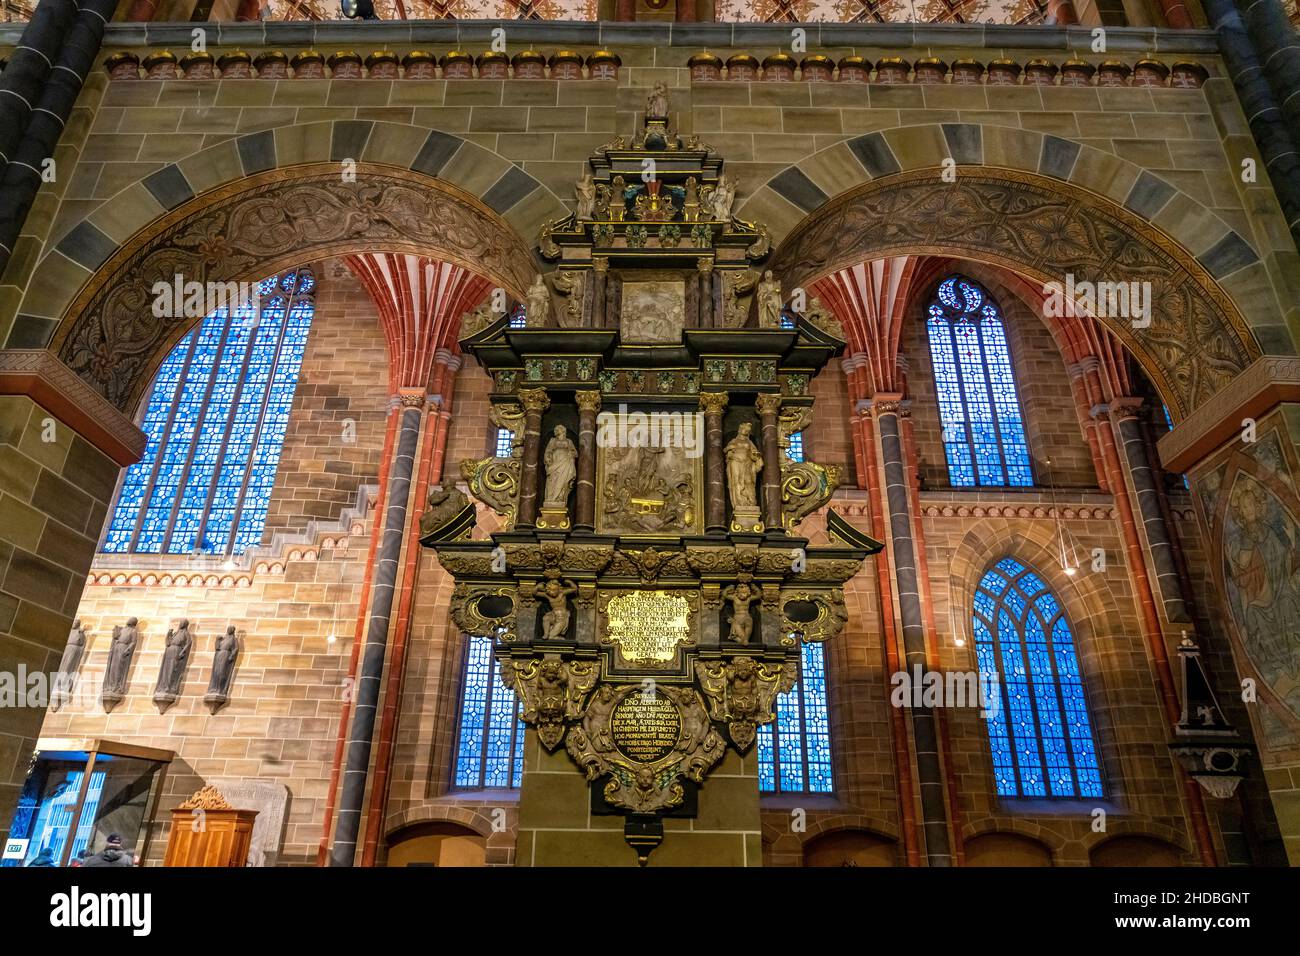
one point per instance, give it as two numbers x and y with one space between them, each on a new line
649 490
176 655
653 312
744 463
223 670
69 666
742 692
118 670
645 739
572 285
551 691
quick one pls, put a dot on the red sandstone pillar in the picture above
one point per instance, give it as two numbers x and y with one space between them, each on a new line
769 407
584 518
535 403
713 404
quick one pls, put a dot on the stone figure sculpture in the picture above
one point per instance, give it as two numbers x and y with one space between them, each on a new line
741 596
175 656
555 622
118 670
743 465
223 668
538 304
656 103
769 302
585 192
723 198
561 460
69 666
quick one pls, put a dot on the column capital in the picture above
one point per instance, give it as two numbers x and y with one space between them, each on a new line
411 397
713 403
589 401
886 402
534 399
704 265
1122 407
1099 411
1090 363
1075 370
600 264
768 404
448 358
851 363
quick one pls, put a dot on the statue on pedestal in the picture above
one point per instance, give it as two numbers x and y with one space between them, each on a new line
741 597
769 302
723 198
118 670
561 461
69 666
172 672
585 192
744 462
223 669
555 622
538 305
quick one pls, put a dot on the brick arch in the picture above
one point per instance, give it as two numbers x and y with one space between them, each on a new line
259 225
877 824
1128 826
1020 826
474 818
1044 229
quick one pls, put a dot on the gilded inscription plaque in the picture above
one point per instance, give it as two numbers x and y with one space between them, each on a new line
647 627
645 726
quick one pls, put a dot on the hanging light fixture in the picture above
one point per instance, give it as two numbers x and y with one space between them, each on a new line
1067 549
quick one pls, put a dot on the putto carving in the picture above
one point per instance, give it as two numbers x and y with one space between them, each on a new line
555 622
741 694
551 691
741 596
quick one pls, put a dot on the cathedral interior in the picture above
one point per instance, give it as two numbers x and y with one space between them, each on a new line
660 433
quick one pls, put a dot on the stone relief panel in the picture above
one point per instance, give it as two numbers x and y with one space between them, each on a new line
653 312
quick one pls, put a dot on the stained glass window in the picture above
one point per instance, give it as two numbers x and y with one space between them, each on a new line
215 423
794 752
1039 729
519 318
795 450
490 735
983 430
503 445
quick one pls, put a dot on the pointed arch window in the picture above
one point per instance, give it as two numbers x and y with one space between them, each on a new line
794 752
1040 732
215 425
489 734
979 408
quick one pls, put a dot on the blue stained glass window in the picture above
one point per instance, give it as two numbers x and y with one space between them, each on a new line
215 424
519 318
490 735
979 409
503 445
795 450
1040 735
794 753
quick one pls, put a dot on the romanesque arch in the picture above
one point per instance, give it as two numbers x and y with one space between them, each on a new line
1044 229
259 225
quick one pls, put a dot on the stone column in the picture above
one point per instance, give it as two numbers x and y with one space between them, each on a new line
713 404
1125 412
1061 13
929 770
599 279
370 674
535 402
585 506
704 298
447 364
769 409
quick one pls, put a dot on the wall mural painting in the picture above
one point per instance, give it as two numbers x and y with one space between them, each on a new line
1256 508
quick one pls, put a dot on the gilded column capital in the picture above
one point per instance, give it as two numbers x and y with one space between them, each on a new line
600 264
887 402
713 403
534 399
588 401
411 397
768 404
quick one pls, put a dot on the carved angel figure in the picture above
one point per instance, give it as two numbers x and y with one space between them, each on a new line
741 623
555 622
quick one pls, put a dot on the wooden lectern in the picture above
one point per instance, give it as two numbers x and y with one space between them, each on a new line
208 831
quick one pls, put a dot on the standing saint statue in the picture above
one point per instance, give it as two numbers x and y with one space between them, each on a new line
743 465
585 191
561 461
656 104
118 669
175 656
722 198
69 665
769 302
538 306
223 668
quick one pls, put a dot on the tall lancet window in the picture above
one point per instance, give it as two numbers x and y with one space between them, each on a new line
794 752
983 431
215 423
490 735
1039 729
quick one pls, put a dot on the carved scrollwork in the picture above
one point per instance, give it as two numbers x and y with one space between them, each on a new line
832 570
472 607
741 694
495 482
646 785
815 616
551 691
805 487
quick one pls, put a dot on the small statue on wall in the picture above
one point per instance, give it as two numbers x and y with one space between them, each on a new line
172 672
723 198
555 622
769 302
69 666
585 192
118 671
538 306
744 462
741 596
656 104
560 459
223 670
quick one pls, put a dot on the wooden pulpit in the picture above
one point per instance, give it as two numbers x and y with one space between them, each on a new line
208 831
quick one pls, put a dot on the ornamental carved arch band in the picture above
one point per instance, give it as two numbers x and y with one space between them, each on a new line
1197 340
261 225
